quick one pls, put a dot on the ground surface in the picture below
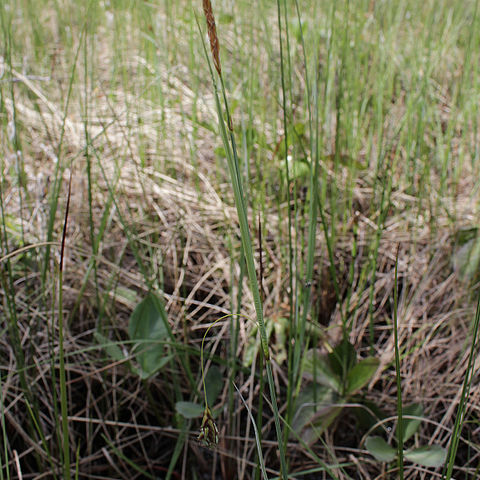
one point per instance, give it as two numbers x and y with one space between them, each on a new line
118 97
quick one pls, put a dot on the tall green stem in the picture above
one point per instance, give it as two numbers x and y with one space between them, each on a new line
230 147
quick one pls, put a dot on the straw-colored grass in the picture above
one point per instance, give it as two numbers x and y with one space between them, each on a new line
152 209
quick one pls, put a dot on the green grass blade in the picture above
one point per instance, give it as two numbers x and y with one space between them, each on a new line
398 374
462 406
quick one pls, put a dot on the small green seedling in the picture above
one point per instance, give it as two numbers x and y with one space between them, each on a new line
427 455
337 378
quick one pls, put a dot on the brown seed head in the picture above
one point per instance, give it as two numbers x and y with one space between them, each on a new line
212 34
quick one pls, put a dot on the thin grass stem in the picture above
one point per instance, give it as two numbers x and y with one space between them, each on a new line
398 374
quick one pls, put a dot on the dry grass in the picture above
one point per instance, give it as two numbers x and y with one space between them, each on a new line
182 221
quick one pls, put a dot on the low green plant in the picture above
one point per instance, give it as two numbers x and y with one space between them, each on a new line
408 418
147 329
425 455
337 378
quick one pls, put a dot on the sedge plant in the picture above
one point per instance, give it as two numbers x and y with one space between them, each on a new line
230 147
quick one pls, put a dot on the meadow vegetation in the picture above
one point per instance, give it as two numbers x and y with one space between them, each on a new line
256 262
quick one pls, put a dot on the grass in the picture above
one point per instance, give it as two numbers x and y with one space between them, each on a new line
337 134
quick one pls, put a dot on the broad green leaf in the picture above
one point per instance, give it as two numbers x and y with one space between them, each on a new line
157 365
148 319
343 358
361 374
148 327
428 456
318 369
316 408
213 384
189 409
410 425
380 449
112 349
